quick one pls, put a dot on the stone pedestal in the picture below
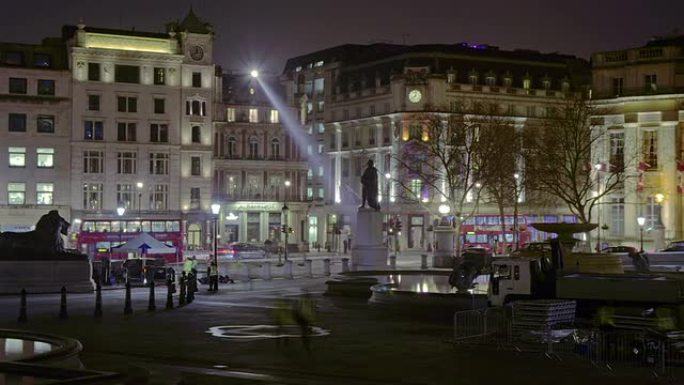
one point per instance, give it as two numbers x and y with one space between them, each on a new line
443 256
368 251
46 276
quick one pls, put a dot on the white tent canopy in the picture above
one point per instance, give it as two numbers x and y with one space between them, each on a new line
144 244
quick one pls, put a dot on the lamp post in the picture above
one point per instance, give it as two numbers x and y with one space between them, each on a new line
641 221
120 211
140 187
285 212
387 217
598 206
215 209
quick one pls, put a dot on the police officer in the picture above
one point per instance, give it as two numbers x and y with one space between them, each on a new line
213 276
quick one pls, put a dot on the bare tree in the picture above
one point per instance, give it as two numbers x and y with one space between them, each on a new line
559 158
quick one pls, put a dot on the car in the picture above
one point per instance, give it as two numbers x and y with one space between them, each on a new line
675 246
245 251
619 249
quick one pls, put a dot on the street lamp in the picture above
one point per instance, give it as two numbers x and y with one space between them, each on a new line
254 74
120 211
215 209
140 186
387 217
641 221
285 227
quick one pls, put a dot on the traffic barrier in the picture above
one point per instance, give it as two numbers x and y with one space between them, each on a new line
22 308
326 267
308 272
345 265
266 271
287 270
423 262
63 305
128 309
393 262
151 305
169 294
98 300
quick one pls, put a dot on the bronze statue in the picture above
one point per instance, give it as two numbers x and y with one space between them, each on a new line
45 242
369 187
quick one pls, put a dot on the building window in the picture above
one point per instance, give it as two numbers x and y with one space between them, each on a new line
416 188
14 58
320 106
321 148
159 106
124 195
92 196
93 130
93 162
617 217
253 227
45 124
197 79
159 164
275 148
42 60
93 102
160 197
651 82
159 76
546 84
472 79
46 87
195 107
490 80
230 114
159 133
17 123
94 71
127 104
45 157
345 139
126 162
195 197
17 156
617 86
231 147
126 131
321 193
274 116
526 83
253 115
345 167
253 147
309 193
371 136
196 134
17 86
617 149
196 166
45 193
126 74
16 193
508 81
650 148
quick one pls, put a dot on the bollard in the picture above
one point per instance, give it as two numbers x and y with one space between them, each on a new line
287 270
326 267
393 262
169 294
183 289
128 309
63 305
423 262
190 290
266 271
345 265
307 269
22 309
151 305
98 300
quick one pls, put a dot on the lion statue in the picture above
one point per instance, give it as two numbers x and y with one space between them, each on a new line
45 242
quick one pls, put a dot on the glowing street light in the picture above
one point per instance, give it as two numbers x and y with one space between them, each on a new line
120 211
254 73
641 221
215 209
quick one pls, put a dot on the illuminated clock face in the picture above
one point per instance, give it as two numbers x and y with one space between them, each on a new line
415 96
196 52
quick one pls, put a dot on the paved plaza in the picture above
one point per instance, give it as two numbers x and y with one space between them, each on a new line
359 342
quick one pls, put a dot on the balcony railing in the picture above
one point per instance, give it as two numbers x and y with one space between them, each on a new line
259 197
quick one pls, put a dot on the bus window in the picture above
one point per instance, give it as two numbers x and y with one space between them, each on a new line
102 226
132 226
88 226
146 226
157 226
116 226
172 226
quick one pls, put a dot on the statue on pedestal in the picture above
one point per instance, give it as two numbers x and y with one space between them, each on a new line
369 187
45 242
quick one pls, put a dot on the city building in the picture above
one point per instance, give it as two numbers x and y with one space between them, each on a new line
641 93
141 139
358 102
259 167
35 130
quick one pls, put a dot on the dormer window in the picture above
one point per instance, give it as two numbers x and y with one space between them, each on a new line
490 80
472 78
546 84
526 83
451 77
508 81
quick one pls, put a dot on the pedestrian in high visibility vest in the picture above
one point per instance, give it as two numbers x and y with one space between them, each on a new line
213 276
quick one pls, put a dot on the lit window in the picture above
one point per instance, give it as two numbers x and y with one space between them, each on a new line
320 170
230 114
17 156
650 149
92 196
44 193
127 162
45 157
16 193
526 84
253 115
274 116
159 164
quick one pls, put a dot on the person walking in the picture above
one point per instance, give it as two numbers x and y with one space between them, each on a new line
213 274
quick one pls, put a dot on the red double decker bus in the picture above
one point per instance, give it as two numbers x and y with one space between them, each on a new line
485 231
97 237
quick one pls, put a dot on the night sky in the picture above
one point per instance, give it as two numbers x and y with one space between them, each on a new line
264 33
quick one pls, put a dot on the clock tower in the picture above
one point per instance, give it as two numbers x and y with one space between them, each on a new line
196 39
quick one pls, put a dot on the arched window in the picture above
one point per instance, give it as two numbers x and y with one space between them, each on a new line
196 134
231 148
253 147
275 148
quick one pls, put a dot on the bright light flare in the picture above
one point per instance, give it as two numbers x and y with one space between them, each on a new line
254 73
